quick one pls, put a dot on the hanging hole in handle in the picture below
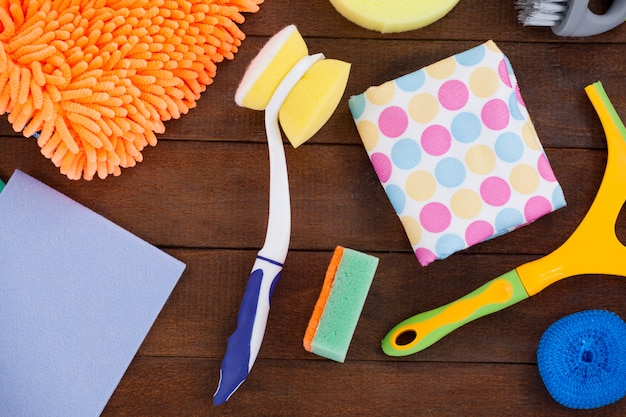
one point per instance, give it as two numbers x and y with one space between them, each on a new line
600 6
406 338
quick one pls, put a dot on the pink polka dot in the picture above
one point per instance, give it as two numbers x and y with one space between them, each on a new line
453 94
382 166
495 191
425 256
503 72
436 140
545 170
495 114
518 96
478 232
393 121
536 207
435 217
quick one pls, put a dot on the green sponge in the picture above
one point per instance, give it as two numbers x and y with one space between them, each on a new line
338 308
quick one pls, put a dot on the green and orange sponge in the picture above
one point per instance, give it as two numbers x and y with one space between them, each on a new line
339 306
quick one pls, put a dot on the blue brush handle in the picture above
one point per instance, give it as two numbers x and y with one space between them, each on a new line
244 344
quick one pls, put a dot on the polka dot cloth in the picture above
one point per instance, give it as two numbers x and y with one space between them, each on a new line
456 152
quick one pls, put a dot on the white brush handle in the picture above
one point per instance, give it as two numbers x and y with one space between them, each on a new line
279 222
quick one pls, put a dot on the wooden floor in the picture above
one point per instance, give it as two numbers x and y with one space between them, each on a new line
202 195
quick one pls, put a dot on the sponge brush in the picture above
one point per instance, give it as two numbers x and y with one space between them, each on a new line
269 67
339 306
312 100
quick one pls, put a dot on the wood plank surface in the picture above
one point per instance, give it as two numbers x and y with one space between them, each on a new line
201 194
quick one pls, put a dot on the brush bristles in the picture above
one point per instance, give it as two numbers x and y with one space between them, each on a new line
541 12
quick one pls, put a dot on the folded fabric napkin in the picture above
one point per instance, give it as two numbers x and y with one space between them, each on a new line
456 152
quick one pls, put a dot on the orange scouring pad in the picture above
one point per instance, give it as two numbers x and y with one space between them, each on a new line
94 80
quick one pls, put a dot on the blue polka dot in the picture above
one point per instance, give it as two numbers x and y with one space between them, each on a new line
472 56
397 197
558 199
411 82
450 172
466 127
449 244
508 219
509 147
357 105
514 107
406 153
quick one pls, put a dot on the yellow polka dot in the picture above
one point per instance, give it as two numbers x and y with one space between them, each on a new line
530 136
466 203
524 179
480 159
421 185
442 69
413 229
381 94
492 46
369 134
423 108
484 82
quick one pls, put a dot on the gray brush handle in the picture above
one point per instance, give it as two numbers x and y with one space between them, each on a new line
580 21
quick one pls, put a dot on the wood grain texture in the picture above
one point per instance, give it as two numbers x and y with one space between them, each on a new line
201 194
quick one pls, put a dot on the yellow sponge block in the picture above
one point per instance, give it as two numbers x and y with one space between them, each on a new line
313 100
269 67
389 16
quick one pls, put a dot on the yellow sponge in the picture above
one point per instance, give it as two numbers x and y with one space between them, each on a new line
313 100
388 16
269 67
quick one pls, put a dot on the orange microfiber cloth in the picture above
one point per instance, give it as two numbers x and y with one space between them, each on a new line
95 79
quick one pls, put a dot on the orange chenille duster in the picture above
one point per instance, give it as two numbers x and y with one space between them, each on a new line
94 80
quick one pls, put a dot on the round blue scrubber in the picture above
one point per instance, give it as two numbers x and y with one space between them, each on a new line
582 359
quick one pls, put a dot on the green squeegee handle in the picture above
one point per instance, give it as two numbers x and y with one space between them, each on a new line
422 330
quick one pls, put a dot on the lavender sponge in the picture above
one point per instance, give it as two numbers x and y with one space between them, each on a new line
338 308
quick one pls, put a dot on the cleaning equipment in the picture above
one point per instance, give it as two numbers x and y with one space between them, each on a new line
78 296
593 248
570 17
94 80
303 113
393 16
272 77
582 359
338 308
456 152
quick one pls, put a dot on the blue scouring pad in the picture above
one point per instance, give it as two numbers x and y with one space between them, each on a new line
582 359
